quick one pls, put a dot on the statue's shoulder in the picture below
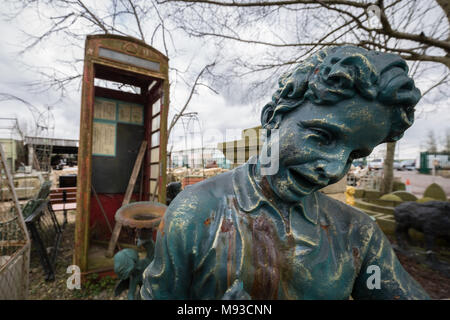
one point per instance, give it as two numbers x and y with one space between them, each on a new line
351 223
342 212
196 202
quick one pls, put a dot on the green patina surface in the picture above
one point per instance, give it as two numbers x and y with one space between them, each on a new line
262 231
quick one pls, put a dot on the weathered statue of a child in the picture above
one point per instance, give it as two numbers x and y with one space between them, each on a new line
246 234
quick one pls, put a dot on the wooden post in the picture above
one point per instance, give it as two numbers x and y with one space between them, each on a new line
126 199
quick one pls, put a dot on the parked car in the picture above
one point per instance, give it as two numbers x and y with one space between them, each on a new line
409 165
397 164
376 164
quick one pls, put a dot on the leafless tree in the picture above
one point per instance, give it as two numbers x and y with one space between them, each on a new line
257 40
281 33
447 141
73 20
416 30
431 142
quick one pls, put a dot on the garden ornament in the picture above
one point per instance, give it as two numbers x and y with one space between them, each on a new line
257 233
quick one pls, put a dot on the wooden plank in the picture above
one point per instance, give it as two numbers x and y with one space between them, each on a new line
135 173
9 243
60 200
84 176
64 206
127 197
60 190
60 195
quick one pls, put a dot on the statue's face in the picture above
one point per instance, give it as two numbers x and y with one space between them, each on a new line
318 143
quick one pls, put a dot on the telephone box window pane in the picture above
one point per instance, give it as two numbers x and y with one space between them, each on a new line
155 139
153 186
130 113
156 107
155 123
154 155
104 139
154 171
125 58
125 113
104 109
137 115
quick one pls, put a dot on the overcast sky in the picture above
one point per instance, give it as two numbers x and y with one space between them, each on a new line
217 112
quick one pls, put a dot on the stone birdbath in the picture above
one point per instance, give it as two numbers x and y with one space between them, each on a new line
142 216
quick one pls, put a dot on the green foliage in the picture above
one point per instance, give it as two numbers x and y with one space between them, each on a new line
391 197
371 194
405 196
398 186
94 285
425 199
436 192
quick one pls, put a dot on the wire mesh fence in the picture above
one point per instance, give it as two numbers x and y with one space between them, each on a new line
14 258
14 242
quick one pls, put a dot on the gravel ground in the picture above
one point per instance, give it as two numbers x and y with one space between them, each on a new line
39 289
435 282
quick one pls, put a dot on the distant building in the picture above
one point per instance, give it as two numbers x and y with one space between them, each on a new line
14 152
239 151
198 158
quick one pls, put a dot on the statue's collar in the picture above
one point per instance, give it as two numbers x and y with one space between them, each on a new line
250 197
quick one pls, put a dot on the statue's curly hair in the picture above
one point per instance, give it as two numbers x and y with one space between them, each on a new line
338 73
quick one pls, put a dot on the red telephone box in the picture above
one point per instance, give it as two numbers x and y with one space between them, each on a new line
125 101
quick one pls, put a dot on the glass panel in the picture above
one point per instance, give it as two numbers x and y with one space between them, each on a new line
154 171
137 115
104 109
155 139
156 107
154 155
104 139
122 57
152 187
124 112
155 123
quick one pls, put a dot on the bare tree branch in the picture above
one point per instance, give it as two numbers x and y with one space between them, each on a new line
138 21
191 93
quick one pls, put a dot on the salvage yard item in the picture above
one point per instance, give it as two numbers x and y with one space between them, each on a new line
432 218
64 199
113 123
14 242
46 235
41 196
143 216
255 232
69 180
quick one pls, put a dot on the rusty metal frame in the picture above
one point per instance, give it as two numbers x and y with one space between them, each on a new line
129 46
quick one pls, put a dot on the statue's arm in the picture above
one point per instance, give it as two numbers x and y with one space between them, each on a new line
169 274
394 281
